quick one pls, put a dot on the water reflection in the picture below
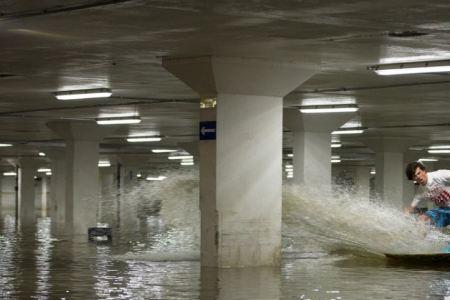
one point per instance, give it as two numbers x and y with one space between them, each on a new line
43 256
8 243
240 283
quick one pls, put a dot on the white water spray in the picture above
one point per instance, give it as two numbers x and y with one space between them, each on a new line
341 218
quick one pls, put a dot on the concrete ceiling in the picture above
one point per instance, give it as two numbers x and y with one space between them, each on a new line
47 46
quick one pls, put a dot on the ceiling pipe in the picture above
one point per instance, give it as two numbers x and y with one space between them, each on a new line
55 10
147 101
349 89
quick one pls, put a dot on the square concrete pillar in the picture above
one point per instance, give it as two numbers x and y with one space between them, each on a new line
240 168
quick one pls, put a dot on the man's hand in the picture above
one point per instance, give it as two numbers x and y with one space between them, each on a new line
409 210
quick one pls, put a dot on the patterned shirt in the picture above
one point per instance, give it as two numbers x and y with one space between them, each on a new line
435 190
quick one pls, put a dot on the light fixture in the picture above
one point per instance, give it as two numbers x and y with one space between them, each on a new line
104 163
373 172
335 157
5 145
336 145
439 147
428 159
159 178
118 120
187 160
9 174
336 108
181 157
290 155
417 148
83 94
44 170
138 175
163 150
435 66
48 173
438 151
143 139
335 161
185 163
41 154
349 130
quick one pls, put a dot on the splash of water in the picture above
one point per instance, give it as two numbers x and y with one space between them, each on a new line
341 217
335 219
177 218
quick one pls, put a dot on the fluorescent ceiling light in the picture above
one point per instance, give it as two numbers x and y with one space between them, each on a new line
186 163
290 176
163 150
118 120
290 155
44 170
139 175
436 66
9 174
5 145
104 163
143 139
335 157
41 154
437 55
357 130
48 173
439 147
181 157
334 161
335 100
83 94
159 178
373 172
436 151
336 145
314 109
428 159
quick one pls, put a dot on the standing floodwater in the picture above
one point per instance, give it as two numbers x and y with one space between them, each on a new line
155 252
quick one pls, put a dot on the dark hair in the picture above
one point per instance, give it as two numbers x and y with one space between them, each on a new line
411 169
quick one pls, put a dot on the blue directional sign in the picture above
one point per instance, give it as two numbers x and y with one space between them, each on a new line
207 130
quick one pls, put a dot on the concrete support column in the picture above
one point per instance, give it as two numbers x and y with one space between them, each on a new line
129 168
8 191
26 205
312 145
82 184
108 179
127 205
362 181
44 195
390 178
57 201
240 167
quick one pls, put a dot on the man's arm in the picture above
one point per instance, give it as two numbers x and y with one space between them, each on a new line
412 207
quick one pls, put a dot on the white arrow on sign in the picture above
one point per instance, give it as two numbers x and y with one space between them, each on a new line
204 130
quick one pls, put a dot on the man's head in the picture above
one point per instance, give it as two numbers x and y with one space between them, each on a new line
417 172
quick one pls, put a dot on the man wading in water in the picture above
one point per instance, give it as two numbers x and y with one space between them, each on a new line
432 188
